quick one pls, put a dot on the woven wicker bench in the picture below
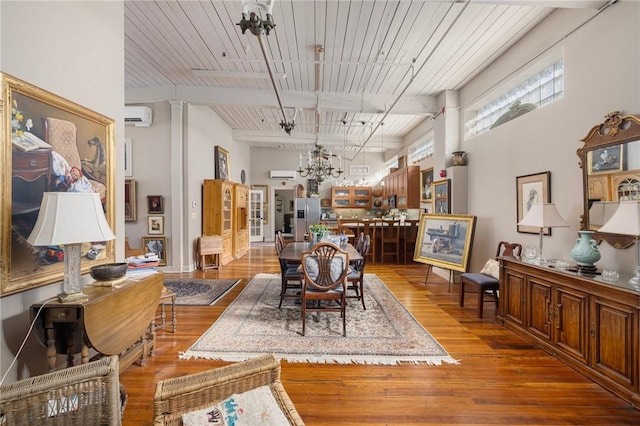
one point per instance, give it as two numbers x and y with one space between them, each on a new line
86 394
180 395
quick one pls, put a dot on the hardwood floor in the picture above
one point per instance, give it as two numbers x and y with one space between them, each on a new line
501 379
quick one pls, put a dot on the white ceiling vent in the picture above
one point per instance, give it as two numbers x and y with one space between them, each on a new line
140 116
282 174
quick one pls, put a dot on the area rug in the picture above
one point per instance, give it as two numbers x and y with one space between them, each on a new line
192 291
385 333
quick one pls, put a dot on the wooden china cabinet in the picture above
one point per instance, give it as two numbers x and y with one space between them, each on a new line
225 212
240 220
589 324
217 214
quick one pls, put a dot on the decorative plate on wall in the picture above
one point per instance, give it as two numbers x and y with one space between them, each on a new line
243 176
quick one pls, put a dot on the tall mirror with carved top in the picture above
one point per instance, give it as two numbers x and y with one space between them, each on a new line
610 162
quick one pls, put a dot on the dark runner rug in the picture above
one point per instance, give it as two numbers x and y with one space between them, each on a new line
384 333
201 292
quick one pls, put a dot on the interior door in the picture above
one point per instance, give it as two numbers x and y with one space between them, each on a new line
256 220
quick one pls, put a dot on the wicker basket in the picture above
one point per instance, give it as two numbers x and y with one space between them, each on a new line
177 396
87 394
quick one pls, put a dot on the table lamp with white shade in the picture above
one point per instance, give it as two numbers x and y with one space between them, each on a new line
626 221
70 219
543 216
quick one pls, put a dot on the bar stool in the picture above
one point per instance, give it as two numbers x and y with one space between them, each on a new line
390 239
409 238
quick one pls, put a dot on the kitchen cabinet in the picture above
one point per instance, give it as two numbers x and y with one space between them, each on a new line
404 183
591 325
354 197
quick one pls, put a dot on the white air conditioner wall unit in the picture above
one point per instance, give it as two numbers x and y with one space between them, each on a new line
140 116
282 174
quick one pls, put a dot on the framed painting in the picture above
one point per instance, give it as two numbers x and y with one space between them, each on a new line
130 213
156 245
442 196
265 201
128 159
445 241
605 160
532 189
50 144
155 204
155 225
221 163
426 182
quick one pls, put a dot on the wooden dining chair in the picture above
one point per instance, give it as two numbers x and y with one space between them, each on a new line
325 268
487 280
355 278
290 275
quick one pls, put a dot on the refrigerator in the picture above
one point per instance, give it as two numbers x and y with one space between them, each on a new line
306 213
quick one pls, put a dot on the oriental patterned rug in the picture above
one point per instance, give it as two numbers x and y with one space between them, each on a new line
198 292
385 333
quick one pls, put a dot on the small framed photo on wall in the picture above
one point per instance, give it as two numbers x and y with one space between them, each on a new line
155 204
155 225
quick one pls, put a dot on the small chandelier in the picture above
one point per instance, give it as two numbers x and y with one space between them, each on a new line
320 165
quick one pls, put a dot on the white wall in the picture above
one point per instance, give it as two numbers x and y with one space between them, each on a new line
153 160
150 159
601 61
69 48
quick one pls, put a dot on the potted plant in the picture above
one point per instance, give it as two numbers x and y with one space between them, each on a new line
317 231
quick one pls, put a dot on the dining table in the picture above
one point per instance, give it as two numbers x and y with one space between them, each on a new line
292 252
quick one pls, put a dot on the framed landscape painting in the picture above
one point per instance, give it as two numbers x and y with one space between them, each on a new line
445 240
50 145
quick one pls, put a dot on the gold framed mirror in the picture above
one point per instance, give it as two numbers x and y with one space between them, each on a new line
610 162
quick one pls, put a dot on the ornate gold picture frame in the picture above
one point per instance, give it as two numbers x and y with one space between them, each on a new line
445 240
47 140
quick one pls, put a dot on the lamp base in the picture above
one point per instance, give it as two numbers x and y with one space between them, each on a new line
72 297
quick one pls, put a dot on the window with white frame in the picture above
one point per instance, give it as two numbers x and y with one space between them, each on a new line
421 149
536 90
392 162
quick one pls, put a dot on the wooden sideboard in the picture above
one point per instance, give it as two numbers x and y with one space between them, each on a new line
114 321
591 325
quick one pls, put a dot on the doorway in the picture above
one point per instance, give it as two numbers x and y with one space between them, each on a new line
283 216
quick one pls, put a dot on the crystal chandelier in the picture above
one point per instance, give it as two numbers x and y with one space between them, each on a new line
320 165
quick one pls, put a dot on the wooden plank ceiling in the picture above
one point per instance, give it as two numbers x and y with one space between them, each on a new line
348 65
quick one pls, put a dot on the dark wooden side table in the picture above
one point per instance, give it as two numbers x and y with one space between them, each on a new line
30 176
114 321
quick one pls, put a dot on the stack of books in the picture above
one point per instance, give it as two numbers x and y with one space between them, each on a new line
143 265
